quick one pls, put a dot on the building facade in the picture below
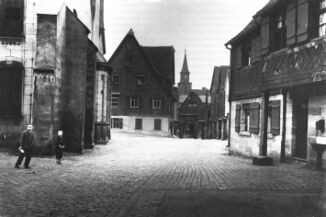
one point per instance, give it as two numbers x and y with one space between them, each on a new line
277 81
142 87
193 121
219 110
50 65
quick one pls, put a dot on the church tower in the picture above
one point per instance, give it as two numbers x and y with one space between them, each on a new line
184 86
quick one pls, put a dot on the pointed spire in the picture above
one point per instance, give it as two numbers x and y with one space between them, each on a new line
185 64
131 32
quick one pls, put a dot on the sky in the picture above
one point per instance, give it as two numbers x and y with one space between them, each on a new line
199 27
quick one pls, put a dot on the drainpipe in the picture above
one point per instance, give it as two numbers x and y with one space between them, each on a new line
282 158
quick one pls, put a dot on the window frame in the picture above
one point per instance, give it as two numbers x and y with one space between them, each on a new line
134 102
118 81
156 103
139 81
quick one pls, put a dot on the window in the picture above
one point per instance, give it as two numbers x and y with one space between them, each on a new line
157 124
117 123
156 103
245 117
138 124
273 124
279 33
134 102
11 24
10 92
115 97
246 55
141 79
192 105
116 78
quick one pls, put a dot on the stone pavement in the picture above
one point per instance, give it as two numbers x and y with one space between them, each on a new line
153 176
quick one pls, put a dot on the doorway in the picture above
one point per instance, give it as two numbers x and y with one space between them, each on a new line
300 115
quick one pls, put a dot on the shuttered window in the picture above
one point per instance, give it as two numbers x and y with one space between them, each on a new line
10 92
275 117
254 117
291 24
302 20
237 118
264 32
239 57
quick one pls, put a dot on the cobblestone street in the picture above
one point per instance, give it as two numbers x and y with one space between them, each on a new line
155 176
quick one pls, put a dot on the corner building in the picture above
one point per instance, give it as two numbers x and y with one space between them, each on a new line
53 74
278 77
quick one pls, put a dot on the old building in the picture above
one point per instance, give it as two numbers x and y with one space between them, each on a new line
277 81
53 73
219 109
191 121
142 87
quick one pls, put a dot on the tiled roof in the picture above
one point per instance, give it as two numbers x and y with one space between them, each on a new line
252 25
162 59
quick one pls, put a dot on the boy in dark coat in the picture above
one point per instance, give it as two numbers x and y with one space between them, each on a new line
59 146
26 146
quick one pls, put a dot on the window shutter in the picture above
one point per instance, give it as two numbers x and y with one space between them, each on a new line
264 35
276 108
302 20
237 118
254 117
239 57
290 24
255 50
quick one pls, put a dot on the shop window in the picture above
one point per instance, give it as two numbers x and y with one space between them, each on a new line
116 78
115 97
10 92
138 124
158 124
156 103
134 102
117 123
141 79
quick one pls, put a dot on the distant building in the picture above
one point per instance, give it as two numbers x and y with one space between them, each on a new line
142 92
193 126
219 92
53 73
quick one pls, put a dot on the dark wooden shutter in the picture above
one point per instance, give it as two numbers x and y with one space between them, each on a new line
139 124
290 24
157 124
255 50
237 118
276 109
302 20
254 117
264 35
239 56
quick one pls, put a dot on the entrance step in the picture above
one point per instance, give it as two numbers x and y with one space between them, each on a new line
262 161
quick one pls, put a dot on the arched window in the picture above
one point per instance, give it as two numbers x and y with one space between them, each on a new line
10 91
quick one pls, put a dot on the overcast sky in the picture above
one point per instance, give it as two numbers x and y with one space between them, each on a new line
202 27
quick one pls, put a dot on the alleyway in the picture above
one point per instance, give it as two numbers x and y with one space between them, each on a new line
154 176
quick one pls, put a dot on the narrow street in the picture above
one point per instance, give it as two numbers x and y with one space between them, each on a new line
155 176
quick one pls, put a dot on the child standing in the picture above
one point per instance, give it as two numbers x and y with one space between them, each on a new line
59 146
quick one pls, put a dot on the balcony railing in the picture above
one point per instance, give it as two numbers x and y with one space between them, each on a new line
296 66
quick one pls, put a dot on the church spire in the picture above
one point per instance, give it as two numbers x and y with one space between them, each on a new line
185 64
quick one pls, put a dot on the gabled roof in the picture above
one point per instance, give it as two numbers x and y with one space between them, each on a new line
191 95
251 26
162 59
131 35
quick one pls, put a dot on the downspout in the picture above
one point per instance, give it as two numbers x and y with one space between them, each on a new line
230 104
282 157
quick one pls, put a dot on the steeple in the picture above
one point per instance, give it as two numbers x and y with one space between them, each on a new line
185 64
